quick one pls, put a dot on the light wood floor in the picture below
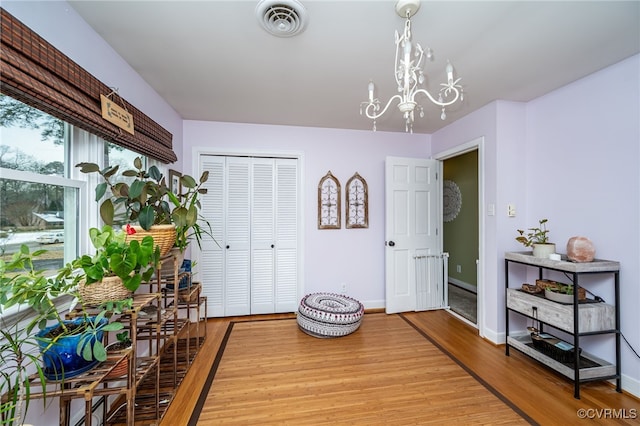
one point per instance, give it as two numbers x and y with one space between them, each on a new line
540 394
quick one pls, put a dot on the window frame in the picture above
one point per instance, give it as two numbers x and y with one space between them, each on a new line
80 146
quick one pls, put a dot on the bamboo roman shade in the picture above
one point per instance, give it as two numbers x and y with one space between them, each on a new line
37 74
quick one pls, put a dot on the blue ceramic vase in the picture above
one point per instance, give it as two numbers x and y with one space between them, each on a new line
61 360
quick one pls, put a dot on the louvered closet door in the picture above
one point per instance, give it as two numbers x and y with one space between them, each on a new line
262 236
286 247
274 236
237 237
210 269
252 204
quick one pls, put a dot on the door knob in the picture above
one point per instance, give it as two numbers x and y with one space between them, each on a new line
391 244
228 246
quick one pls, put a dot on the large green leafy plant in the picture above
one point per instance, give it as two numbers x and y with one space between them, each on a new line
144 199
29 288
21 350
132 261
147 200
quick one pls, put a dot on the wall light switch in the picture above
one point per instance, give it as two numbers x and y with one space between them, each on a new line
491 209
511 210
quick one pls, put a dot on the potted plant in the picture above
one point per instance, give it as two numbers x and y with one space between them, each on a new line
538 239
118 266
185 213
143 202
122 344
19 360
65 347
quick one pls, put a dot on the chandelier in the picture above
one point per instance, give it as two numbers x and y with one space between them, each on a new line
409 75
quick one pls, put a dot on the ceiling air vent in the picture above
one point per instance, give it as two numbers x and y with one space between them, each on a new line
282 18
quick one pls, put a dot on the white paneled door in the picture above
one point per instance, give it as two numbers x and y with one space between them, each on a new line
411 227
252 205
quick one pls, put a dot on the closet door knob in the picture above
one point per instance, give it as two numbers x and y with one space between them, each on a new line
391 244
228 246
273 245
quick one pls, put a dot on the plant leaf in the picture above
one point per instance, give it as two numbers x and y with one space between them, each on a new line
136 188
101 189
188 181
88 167
146 217
155 173
99 352
106 212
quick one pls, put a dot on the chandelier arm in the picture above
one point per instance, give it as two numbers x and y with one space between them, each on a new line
371 104
435 101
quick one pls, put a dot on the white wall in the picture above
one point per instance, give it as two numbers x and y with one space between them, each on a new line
331 257
586 139
570 156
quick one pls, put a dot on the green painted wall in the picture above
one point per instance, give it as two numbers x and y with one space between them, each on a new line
461 233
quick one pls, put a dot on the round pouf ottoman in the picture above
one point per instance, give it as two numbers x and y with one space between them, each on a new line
329 315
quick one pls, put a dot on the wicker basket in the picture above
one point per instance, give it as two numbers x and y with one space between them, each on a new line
110 289
164 236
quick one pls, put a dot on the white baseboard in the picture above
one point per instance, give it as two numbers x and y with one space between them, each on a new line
373 304
630 385
469 287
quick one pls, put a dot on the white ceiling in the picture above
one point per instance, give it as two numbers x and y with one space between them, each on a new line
212 60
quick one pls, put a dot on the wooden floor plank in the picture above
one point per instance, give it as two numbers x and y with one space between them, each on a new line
271 373
542 393
537 391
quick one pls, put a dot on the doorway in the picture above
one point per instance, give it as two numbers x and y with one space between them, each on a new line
461 232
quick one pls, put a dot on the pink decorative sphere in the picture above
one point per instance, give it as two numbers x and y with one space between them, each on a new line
580 249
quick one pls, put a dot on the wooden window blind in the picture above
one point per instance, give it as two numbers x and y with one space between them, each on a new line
37 74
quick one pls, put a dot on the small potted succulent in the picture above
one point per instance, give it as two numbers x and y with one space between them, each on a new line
538 239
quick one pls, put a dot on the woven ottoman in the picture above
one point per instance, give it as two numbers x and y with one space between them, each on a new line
329 315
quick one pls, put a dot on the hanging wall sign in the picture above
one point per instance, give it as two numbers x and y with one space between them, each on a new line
115 114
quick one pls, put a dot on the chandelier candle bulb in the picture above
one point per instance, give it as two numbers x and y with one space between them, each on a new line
449 70
407 53
371 87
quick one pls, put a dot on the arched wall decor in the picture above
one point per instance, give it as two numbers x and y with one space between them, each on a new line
357 202
329 202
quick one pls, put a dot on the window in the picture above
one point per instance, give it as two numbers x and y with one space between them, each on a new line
45 202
